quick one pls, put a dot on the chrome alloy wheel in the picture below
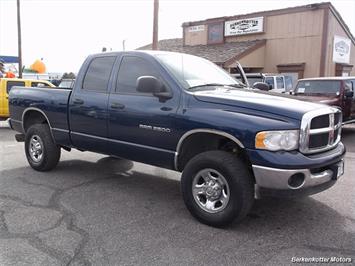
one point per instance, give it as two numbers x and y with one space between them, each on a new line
210 190
36 148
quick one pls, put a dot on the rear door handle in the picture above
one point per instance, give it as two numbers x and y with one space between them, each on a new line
117 106
78 101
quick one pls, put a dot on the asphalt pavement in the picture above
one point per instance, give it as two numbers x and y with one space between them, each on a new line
96 210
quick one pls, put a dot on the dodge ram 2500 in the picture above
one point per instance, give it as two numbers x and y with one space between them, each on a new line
184 113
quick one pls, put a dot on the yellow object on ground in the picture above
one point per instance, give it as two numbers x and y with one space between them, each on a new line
7 83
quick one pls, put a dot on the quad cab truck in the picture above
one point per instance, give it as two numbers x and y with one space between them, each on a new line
182 112
332 91
7 83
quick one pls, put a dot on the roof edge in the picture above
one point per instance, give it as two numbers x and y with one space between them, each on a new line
294 9
342 22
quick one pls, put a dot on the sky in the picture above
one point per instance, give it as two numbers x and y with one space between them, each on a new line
65 32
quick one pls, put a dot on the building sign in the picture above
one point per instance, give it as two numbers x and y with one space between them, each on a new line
196 28
215 33
244 26
341 50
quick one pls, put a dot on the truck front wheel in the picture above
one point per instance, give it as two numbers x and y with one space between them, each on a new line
41 151
217 188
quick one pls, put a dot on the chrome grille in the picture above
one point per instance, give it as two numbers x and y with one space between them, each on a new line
320 130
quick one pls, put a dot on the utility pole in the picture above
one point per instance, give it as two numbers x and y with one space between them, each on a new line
123 45
19 44
155 25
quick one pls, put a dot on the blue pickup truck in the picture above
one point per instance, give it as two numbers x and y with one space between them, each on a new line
184 113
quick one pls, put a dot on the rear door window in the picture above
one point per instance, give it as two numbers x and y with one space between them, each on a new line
131 69
10 84
280 82
98 74
288 82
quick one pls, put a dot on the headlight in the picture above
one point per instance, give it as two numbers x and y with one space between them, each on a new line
277 140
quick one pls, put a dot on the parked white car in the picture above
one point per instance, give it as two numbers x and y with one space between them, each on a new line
277 82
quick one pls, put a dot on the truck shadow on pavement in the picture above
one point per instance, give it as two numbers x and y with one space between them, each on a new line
112 205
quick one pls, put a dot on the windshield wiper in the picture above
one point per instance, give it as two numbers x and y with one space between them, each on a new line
206 85
237 85
217 84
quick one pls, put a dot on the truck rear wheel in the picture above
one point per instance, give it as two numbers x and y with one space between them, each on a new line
41 151
217 188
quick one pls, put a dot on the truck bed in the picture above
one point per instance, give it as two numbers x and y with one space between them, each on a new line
52 102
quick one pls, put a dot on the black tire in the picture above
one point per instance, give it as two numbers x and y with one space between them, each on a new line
50 152
240 185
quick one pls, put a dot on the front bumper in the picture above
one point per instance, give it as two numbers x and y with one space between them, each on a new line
280 178
283 181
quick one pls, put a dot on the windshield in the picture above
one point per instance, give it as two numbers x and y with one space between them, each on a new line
318 87
192 71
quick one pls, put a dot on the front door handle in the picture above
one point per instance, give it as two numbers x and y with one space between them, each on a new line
117 106
78 101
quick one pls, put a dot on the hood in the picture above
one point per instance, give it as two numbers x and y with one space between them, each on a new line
256 100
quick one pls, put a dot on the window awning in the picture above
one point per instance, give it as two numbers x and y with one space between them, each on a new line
9 59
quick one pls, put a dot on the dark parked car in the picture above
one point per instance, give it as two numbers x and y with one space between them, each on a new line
184 113
333 91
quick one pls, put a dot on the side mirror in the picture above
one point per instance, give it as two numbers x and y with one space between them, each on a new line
261 86
150 84
349 94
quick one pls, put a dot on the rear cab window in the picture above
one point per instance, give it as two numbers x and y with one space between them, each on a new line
98 74
10 84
